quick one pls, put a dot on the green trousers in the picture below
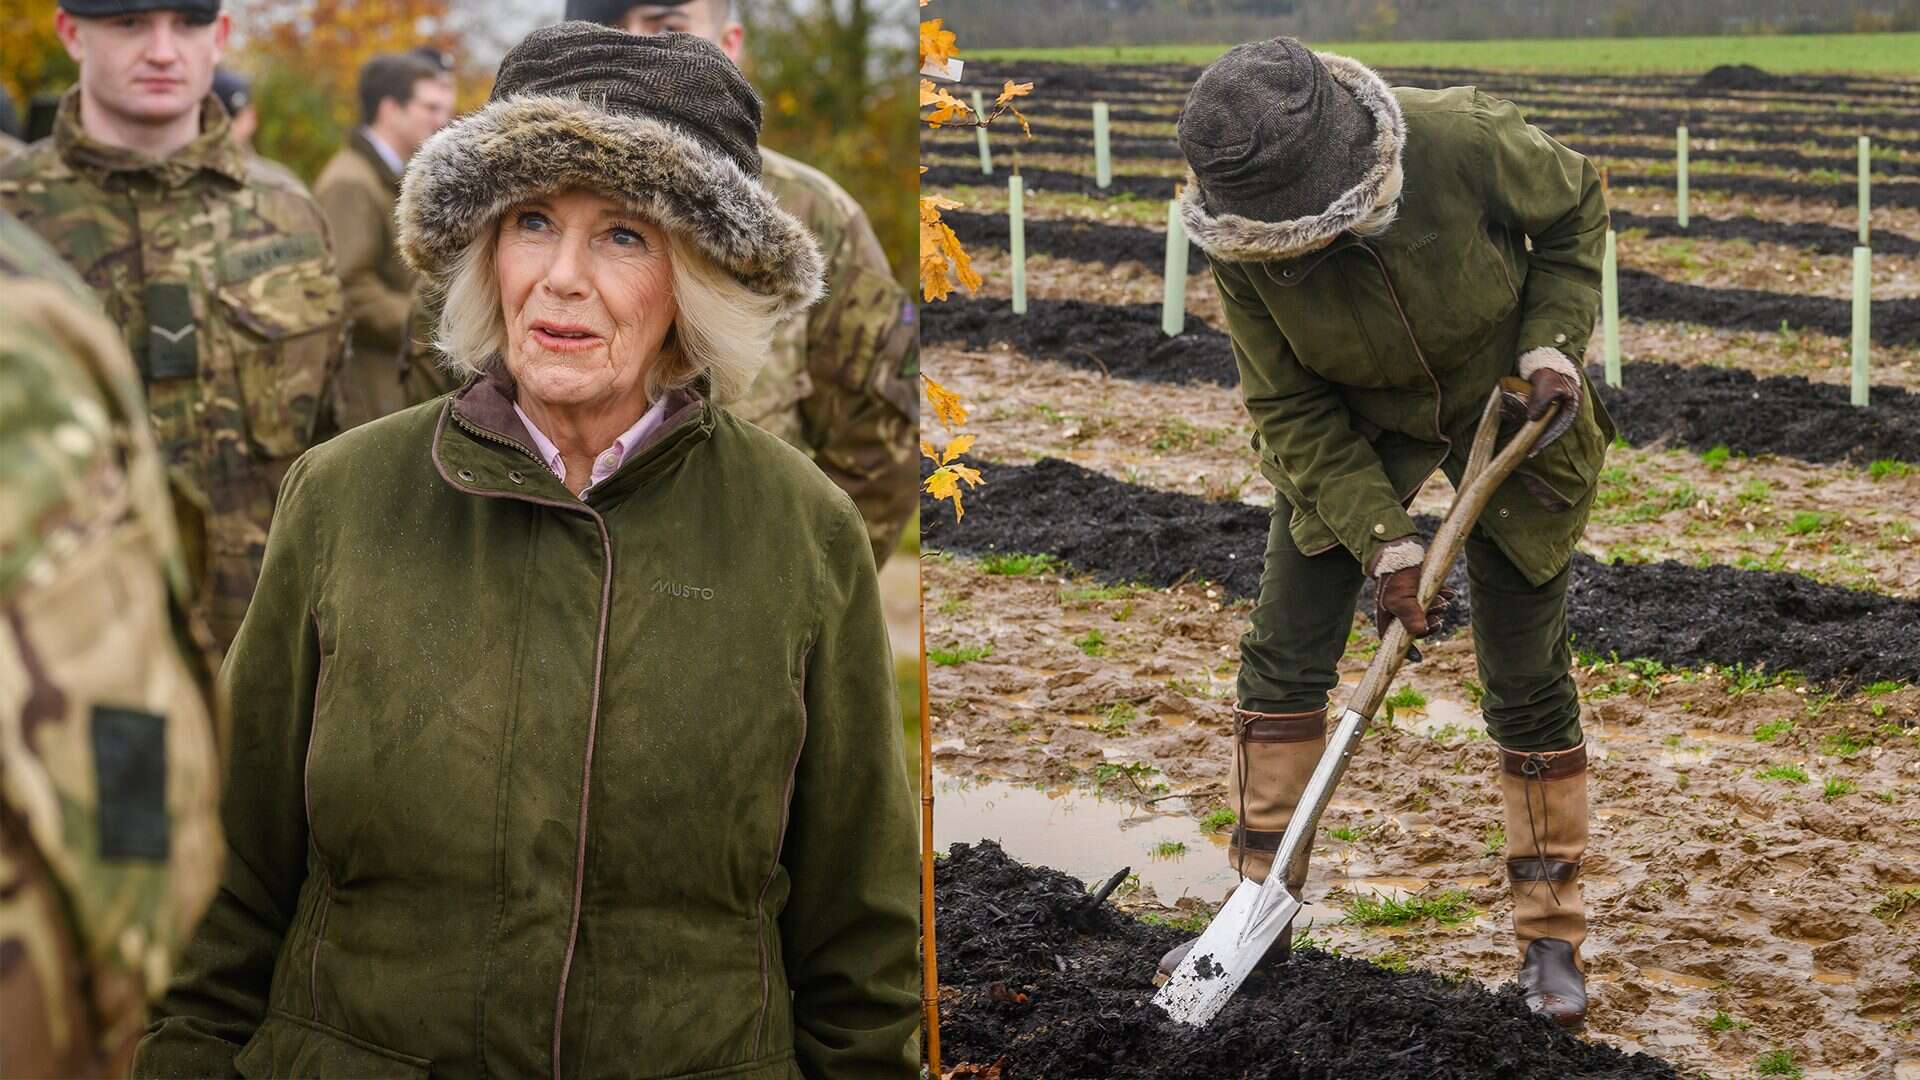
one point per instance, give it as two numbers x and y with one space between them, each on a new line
1289 658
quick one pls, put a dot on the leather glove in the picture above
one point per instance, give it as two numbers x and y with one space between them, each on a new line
1396 593
1552 379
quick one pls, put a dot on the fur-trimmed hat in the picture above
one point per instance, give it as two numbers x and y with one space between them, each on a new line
665 124
1320 158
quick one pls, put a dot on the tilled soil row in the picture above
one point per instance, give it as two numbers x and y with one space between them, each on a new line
1680 615
1695 406
1903 194
1036 977
1731 82
1097 242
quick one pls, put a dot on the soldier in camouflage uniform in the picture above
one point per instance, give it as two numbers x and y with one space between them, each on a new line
842 381
110 843
220 276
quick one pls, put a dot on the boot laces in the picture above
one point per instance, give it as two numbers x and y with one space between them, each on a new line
1533 769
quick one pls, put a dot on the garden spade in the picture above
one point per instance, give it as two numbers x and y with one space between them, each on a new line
1257 913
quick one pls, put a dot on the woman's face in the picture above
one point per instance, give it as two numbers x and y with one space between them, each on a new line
587 291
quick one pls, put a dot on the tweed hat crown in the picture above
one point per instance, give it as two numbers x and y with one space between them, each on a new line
1286 147
665 124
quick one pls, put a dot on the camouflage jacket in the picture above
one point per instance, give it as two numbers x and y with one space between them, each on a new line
221 279
109 836
842 381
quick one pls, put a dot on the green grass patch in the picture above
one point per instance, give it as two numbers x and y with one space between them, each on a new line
1392 960
1843 744
1808 522
1790 773
1218 820
1406 699
1836 788
1449 907
1889 469
1883 688
1722 1022
1017 564
1717 457
1777 1063
1093 643
1115 718
1896 903
1885 53
1081 594
1754 492
1495 840
1772 730
1195 923
959 654
1169 849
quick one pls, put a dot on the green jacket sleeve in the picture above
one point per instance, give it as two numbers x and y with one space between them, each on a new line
219 994
1553 196
850 927
862 356
1303 423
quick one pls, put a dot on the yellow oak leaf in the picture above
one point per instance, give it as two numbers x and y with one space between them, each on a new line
960 445
946 405
937 45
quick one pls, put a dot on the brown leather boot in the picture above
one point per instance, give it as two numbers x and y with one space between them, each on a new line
1546 809
1273 758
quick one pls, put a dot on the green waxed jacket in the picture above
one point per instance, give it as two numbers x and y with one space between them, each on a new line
528 786
1365 364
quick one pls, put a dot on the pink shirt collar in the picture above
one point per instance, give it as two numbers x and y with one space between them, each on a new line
611 458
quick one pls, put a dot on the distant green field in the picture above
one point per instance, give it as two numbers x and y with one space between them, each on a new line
1889 54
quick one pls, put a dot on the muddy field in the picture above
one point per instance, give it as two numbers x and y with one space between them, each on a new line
1746 607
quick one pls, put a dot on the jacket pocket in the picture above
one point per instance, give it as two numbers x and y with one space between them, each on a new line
780 1066
287 332
287 1045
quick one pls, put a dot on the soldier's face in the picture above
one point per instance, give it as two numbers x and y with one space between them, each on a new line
701 18
149 67
586 289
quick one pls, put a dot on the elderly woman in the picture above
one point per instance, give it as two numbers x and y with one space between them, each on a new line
1385 257
565 741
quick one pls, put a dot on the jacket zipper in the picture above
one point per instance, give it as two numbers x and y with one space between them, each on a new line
593 709
1394 295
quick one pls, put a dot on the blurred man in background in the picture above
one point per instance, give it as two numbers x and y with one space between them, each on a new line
404 98
109 830
10 128
219 276
840 383
236 93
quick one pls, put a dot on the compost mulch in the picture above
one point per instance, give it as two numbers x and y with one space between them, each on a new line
1806 235
1055 988
1122 340
1672 612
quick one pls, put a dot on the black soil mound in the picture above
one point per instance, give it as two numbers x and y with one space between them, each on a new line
1122 340
1674 613
1648 296
1901 193
1806 235
1061 990
1705 407
1075 239
1737 77
1054 180
1696 406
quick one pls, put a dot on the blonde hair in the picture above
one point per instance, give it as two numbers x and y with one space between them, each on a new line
721 331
